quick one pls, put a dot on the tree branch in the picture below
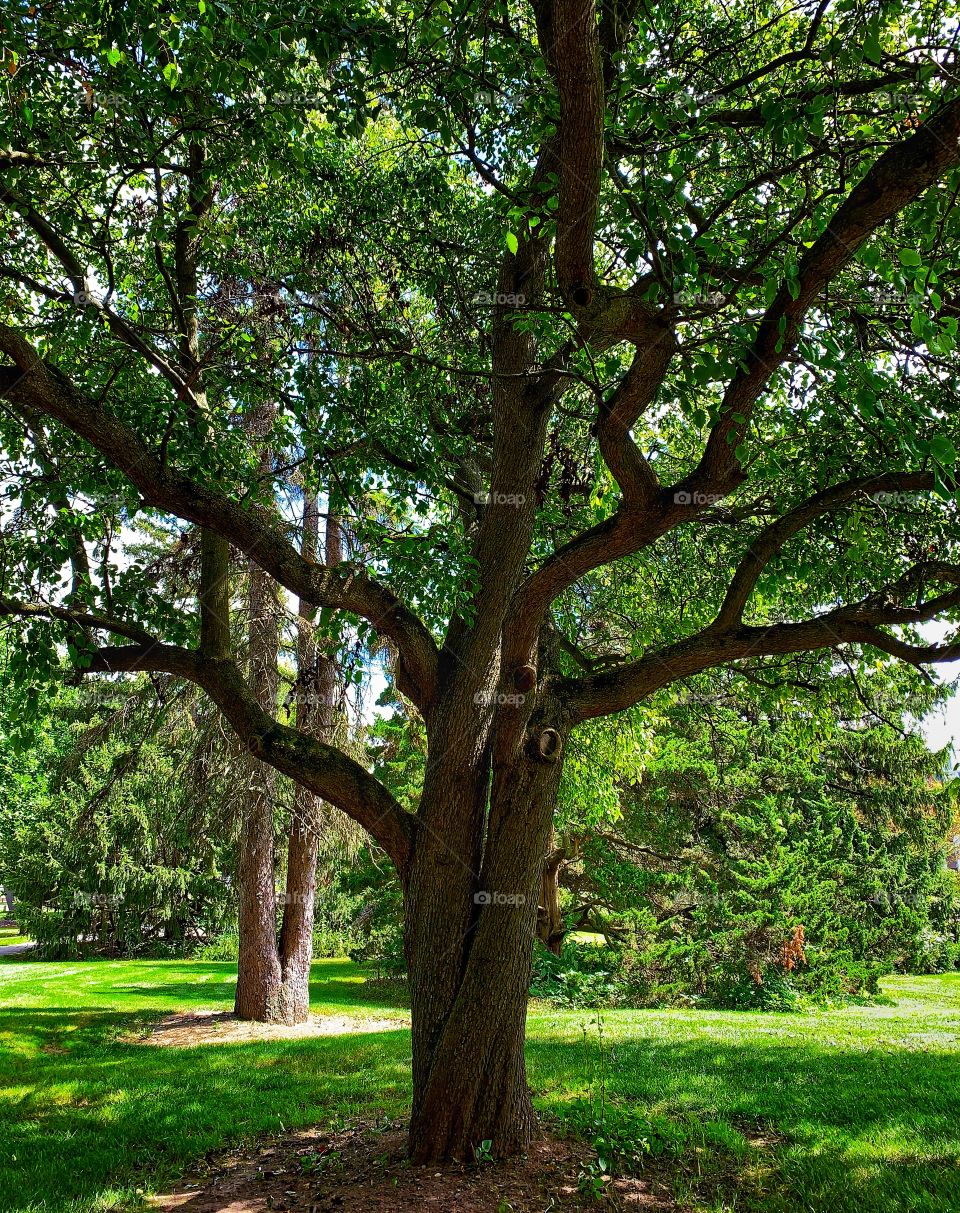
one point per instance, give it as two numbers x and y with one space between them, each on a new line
895 179
899 176
324 769
12 607
861 623
251 529
83 297
772 539
576 54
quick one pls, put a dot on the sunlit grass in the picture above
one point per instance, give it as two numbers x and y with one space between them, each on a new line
850 1110
11 935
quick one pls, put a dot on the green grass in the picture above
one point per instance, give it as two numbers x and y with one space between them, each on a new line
863 1103
858 1109
10 935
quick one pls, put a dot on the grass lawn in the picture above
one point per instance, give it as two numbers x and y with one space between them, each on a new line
850 1110
10 935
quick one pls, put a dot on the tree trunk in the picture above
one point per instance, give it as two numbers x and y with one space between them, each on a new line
551 929
259 978
316 708
469 987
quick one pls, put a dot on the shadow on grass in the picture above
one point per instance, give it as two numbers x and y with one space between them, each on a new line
349 993
89 1117
334 983
864 1131
86 1113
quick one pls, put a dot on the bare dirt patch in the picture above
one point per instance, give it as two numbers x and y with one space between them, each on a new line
222 1027
363 1170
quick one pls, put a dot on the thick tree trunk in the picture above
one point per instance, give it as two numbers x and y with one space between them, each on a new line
258 994
259 978
296 933
469 986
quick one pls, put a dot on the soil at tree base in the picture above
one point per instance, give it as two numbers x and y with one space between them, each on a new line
363 1169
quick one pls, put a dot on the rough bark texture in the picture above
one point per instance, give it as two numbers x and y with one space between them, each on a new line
273 983
550 925
316 706
470 989
259 979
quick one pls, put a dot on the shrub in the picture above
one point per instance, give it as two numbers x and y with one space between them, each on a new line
221 947
583 975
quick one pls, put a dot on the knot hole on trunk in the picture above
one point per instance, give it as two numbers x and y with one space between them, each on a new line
549 745
525 678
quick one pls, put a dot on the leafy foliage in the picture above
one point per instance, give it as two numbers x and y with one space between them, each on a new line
771 850
115 831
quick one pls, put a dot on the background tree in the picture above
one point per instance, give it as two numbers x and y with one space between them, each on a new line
765 816
116 823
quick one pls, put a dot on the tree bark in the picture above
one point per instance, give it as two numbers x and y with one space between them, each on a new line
550 925
316 709
259 978
469 985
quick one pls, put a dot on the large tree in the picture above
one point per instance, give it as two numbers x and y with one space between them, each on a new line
627 334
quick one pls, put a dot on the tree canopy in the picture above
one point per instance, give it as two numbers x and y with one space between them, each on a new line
622 338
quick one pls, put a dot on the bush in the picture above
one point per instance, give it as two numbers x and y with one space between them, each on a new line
220 947
775 992
583 975
932 952
382 947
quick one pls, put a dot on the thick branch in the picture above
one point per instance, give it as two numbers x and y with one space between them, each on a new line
12 607
898 177
862 623
576 53
324 769
250 529
772 539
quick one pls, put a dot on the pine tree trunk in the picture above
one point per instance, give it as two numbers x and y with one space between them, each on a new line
259 977
316 706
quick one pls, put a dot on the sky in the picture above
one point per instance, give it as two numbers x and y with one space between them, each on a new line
943 727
